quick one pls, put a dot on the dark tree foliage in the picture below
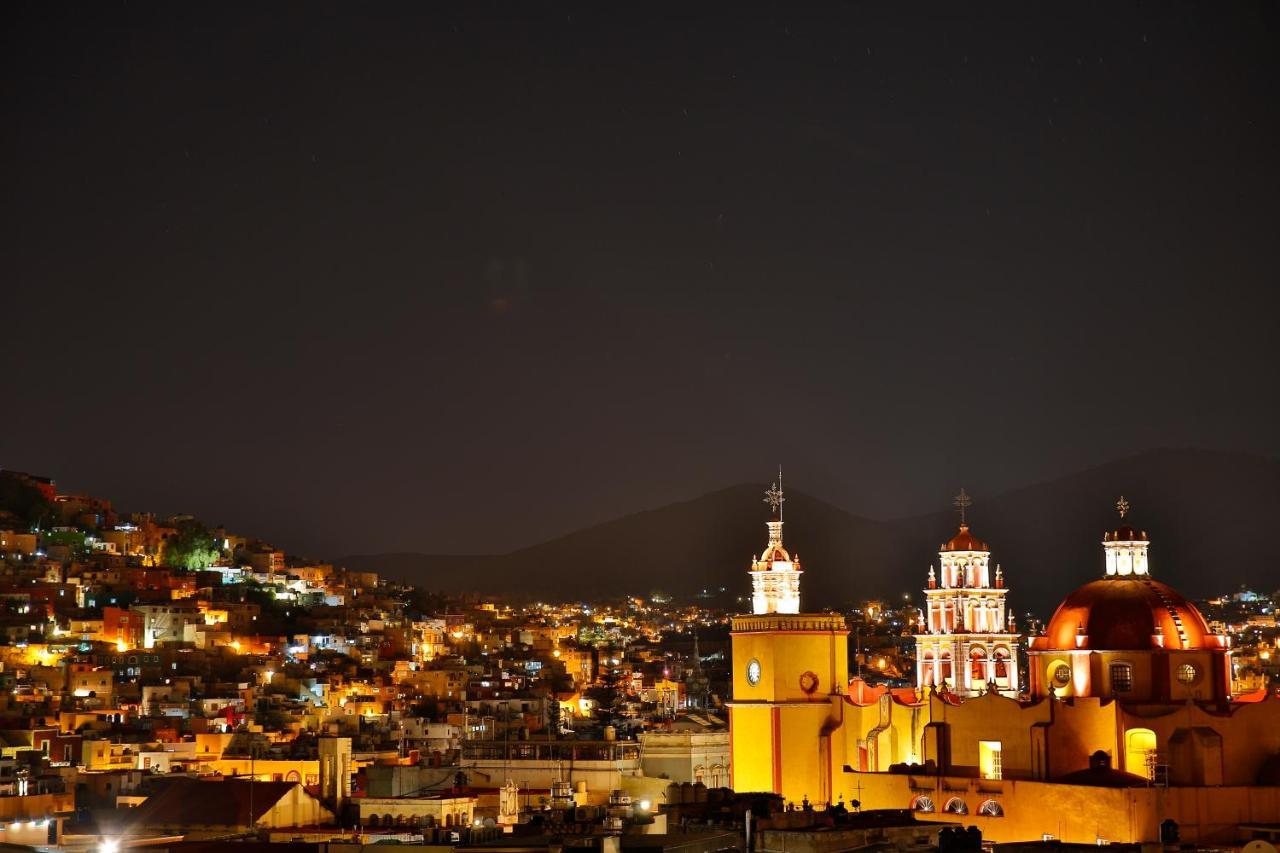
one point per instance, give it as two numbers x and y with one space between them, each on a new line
26 502
193 547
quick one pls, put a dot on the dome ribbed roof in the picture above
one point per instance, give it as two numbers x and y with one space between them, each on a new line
965 541
1122 614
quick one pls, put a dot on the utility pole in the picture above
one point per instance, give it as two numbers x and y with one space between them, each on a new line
252 779
857 649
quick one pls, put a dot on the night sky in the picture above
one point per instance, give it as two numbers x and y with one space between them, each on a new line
462 276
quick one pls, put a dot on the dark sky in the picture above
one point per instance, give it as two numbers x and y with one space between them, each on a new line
463 276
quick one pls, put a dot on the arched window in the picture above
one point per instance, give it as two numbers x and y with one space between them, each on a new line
1140 752
373 820
926 669
922 804
955 805
991 809
978 666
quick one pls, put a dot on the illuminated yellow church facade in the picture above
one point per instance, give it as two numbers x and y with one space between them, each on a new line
1139 727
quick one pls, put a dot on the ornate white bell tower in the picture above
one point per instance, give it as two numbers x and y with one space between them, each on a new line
967 640
775 577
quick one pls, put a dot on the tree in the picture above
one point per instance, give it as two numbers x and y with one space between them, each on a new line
26 502
193 547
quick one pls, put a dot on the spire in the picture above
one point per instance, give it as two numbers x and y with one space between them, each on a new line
962 502
774 497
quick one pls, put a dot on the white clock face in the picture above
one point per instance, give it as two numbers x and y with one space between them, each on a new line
753 672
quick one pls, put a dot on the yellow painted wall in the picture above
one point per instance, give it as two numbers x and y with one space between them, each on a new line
806 765
1250 733
306 772
1076 813
788 646
1080 728
1073 813
752 746
990 717
890 731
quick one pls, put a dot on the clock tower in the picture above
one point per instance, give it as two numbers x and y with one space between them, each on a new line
790 672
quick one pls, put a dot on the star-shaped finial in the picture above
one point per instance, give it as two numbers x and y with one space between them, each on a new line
1122 506
773 497
962 502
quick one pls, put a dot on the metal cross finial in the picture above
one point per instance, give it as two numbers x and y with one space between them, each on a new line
1122 506
962 502
773 497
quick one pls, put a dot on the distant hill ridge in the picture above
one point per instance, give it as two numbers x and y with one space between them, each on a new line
1210 516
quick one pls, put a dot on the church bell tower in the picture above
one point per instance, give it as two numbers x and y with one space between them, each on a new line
967 642
790 674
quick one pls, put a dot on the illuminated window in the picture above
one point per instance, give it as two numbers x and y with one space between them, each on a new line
922 804
1140 752
1121 677
955 805
1187 673
991 809
989 761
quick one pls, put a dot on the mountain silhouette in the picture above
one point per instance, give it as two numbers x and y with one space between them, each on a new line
1207 513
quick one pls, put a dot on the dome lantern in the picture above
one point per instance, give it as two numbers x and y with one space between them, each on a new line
1125 548
775 576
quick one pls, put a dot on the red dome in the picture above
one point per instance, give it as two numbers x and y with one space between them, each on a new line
1125 534
1122 614
775 553
965 541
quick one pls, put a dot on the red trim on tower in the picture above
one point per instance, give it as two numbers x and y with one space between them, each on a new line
733 760
777 750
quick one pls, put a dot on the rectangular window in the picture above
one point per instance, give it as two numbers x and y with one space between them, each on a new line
989 763
1121 677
